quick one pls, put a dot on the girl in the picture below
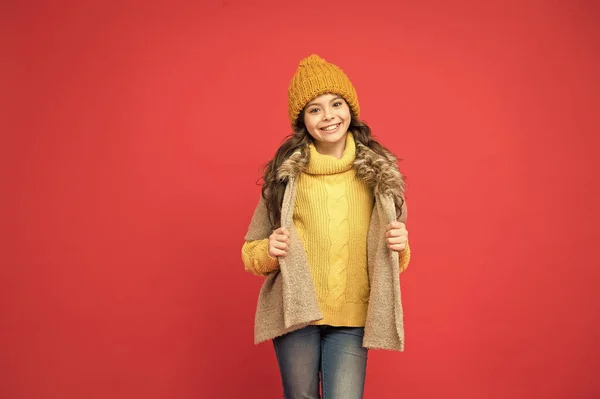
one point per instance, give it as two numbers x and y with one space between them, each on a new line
329 234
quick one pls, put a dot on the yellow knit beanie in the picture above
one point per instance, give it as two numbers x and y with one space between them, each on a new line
314 77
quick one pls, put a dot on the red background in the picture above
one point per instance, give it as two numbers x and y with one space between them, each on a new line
133 135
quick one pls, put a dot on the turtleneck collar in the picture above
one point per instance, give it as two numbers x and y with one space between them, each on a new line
320 164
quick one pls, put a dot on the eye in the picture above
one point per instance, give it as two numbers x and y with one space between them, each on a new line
313 110
337 104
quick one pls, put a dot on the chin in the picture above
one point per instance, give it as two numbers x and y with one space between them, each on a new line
332 139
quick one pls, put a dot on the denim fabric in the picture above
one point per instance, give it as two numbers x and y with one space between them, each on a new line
333 355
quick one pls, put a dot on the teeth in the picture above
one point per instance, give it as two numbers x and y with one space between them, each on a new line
332 127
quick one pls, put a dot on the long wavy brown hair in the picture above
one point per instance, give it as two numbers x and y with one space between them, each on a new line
273 189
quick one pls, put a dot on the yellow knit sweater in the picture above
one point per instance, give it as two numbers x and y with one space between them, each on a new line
332 213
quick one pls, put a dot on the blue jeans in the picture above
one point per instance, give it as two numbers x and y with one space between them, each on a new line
336 353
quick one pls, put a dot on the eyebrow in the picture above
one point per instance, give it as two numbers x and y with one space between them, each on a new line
316 103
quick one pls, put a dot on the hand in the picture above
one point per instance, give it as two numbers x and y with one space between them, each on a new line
396 236
278 242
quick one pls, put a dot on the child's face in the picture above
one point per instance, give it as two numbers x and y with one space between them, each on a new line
327 119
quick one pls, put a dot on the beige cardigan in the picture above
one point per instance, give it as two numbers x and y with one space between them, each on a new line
287 299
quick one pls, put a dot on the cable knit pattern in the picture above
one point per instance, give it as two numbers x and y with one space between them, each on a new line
332 215
339 232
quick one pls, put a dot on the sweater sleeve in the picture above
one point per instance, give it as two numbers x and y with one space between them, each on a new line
404 258
256 258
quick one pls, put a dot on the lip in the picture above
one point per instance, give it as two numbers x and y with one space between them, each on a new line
331 131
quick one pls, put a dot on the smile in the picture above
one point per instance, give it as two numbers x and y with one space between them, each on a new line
331 128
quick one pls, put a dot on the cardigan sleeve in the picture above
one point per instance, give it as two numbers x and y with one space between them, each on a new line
256 258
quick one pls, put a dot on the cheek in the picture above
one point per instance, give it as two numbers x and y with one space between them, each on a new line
346 115
310 122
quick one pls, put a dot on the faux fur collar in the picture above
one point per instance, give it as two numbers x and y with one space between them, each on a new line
379 172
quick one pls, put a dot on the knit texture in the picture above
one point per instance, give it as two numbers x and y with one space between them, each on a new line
288 300
332 213
315 76
256 258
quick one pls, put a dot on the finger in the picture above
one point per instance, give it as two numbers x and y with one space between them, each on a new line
280 238
397 247
283 231
396 225
396 233
280 245
277 252
397 240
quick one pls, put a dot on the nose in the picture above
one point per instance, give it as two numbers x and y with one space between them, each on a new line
328 115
